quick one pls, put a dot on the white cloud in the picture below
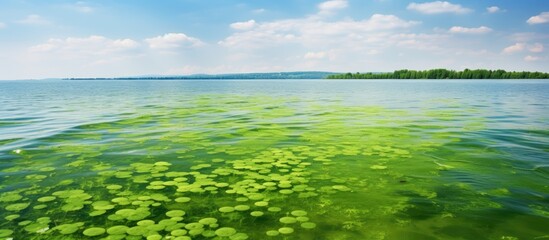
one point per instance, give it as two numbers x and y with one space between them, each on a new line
312 30
541 18
173 40
34 19
529 37
2 25
438 7
82 7
315 55
479 30
493 9
517 47
329 7
536 48
89 46
244 25
259 11
530 58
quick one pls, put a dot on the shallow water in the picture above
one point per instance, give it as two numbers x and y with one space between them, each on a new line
318 159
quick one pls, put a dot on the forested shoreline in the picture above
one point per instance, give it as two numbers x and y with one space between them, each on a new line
443 74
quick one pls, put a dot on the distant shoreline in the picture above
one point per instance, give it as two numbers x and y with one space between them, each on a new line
434 74
232 76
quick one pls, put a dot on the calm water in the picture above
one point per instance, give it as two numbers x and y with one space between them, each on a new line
274 159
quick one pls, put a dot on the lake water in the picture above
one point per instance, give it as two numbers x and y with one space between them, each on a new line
314 159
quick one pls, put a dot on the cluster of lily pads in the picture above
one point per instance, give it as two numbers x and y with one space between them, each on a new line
231 168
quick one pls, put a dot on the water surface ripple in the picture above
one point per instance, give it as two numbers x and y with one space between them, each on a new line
312 159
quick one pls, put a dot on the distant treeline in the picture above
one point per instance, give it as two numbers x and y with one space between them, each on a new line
444 74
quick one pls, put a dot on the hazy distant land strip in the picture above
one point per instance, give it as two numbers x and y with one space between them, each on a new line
277 75
400 74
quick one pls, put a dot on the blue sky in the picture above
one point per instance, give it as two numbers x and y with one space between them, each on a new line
60 38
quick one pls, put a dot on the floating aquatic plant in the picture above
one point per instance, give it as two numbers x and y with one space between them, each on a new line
5 232
69 228
286 230
175 213
94 231
226 209
288 220
257 213
16 207
308 225
245 164
117 230
225 232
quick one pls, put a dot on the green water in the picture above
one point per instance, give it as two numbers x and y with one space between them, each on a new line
245 160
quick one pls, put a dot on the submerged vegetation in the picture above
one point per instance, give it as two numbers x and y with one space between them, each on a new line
235 167
444 74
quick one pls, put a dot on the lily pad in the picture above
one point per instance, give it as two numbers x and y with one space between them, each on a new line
12 217
286 230
154 237
5 232
208 221
242 208
175 213
94 231
183 199
274 209
257 213
261 203
67 228
116 230
239 236
137 230
10 197
46 199
308 225
288 220
179 232
299 213
225 232
16 207
194 225
226 209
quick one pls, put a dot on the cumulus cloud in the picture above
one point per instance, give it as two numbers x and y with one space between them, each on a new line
530 58
536 48
173 40
34 19
329 7
517 47
244 25
438 7
92 45
312 30
82 7
315 55
539 19
493 9
478 30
